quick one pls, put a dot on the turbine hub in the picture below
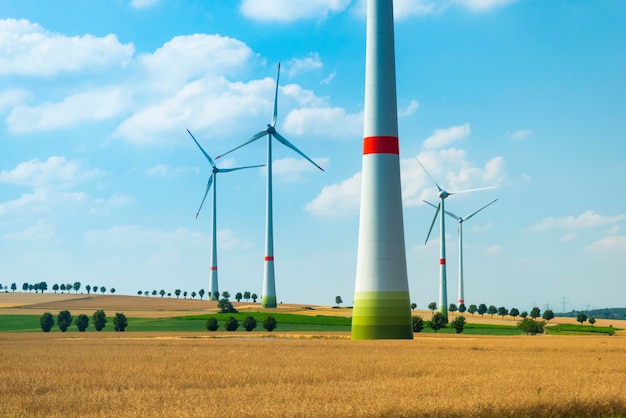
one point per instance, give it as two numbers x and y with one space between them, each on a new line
270 129
443 194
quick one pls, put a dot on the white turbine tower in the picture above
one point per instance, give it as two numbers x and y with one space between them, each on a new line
443 286
268 298
461 220
213 285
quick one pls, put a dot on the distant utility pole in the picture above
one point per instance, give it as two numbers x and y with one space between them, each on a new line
564 300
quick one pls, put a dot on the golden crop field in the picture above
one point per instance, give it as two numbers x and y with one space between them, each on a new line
193 375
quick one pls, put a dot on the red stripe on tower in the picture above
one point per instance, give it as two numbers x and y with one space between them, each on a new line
269 258
213 268
442 261
381 145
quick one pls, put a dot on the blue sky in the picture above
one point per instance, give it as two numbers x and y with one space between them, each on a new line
100 183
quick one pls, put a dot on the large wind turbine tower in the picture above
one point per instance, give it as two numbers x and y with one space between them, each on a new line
381 299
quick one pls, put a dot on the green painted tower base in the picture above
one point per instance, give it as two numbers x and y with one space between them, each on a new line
268 302
382 315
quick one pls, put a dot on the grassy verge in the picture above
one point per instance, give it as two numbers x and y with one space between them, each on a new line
571 329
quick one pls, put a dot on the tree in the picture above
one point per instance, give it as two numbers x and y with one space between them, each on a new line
238 296
25 287
77 288
185 295
112 290
201 292
162 293
139 292
492 310
154 292
514 312
472 309
548 315
55 287
99 320
432 306
225 306
502 311
120 322
246 295
592 320
146 292
193 295
418 323
36 287
462 308
338 300
452 308
531 327
13 287
103 289
254 297
30 287
46 321
88 289
535 313
225 295
69 287
169 295
482 309
64 320
231 323
458 324
249 323
581 318
216 295
211 324
43 286
62 287
413 306
437 322
269 323
82 322
95 289
177 293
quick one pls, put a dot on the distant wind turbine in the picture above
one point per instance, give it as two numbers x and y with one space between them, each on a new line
268 298
461 220
213 285
443 286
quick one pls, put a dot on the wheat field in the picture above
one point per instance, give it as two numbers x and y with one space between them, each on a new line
194 374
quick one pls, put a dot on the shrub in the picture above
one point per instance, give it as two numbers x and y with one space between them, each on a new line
120 322
437 322
82 322
458 324
418 323
211 324
64 320
249 323
269 323
231 324
99 320
46 321
531 327
225 306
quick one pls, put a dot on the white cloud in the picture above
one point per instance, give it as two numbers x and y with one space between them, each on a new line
105 206
230 240
588 219
326 122
612 243
89 106
12 97
40 232
56 172
482 5
329 79
291 10
409 110
338 199
27 49
521 134
571 236
493 251
444 137
164 170
143 4
299 66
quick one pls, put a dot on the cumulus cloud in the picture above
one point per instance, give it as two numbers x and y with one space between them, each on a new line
299 66
588 219
291 10
12 97
55 172
40 232
409 110
27 49
444 137
611 243
337 199
521 134
324 122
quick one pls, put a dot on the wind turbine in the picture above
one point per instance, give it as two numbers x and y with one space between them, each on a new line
443 286
268 298
461 220
213 286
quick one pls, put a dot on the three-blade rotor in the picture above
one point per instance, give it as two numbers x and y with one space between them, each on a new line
270 131
215 170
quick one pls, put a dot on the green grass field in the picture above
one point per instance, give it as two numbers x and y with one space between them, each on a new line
286 323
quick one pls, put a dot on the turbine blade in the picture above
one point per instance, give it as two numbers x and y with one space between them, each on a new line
472 190
227 170
429 176
288 144
208 187
275 114
252 139
445 211
201 149
433 223
476 211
